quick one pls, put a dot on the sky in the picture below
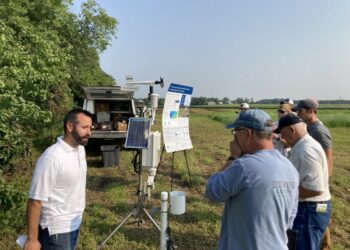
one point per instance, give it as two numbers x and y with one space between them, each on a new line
233 48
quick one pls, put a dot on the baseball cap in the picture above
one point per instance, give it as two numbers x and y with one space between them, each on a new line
287 100
286 121
253 118
244 105
306 104
285 107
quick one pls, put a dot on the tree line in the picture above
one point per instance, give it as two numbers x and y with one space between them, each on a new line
199 101
47 53
207 100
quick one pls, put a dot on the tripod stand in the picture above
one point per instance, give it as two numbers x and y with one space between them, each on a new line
172 166
138 209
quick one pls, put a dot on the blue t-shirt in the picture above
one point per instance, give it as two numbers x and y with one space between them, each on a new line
260 192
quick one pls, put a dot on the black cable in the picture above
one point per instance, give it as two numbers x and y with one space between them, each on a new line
170 242
136 162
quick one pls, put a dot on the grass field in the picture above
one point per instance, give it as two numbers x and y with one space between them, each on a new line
111 192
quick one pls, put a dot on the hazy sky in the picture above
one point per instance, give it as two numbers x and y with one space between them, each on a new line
233 48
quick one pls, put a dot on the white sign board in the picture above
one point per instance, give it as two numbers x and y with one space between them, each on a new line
175 119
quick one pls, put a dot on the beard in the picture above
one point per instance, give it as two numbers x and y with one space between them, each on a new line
81 140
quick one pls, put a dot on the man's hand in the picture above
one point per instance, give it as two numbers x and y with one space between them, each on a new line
235 150
284 143
32 245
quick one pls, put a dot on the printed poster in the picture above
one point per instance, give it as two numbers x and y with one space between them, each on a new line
175 120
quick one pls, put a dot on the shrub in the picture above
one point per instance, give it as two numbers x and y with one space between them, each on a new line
12 204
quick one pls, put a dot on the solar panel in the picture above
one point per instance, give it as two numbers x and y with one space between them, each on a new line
138 133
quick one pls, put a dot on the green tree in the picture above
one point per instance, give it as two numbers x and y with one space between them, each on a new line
225 100
89 33
46 55
33 73
199 101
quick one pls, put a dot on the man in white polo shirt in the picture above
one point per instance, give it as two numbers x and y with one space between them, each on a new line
310 160
57 193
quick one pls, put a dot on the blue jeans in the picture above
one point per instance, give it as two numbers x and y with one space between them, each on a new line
310 225
64 241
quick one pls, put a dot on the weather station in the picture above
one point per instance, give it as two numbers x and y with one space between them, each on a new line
147 145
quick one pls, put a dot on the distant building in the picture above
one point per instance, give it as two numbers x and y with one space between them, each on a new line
211 103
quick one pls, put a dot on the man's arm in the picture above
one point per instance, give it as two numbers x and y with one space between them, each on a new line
33 215
329 156
307 193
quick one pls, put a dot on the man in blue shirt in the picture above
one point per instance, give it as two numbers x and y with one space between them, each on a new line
258 185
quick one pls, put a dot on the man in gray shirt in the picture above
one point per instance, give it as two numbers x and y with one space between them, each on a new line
307 110
258 185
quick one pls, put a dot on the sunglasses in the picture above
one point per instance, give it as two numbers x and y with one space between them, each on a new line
281 111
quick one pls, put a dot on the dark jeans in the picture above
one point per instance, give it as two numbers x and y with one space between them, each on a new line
310 225
64 241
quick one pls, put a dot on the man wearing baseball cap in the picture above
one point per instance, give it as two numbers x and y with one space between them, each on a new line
307 110
244 107
258 185
284 108
310 160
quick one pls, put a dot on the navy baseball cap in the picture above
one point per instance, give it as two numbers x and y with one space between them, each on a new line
286 121
254 119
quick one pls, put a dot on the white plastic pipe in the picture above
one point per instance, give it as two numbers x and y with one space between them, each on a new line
163 220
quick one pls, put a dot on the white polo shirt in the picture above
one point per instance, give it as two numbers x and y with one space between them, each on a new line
59 182
309 158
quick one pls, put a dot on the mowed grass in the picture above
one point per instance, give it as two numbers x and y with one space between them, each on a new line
112 192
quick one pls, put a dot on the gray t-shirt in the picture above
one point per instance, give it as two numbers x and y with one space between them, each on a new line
320 133
260 192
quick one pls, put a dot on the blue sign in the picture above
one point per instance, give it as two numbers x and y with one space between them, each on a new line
178 88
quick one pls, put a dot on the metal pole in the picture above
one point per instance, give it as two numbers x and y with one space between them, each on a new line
163 220
115 230
152 220
172 172
188 168
140 190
